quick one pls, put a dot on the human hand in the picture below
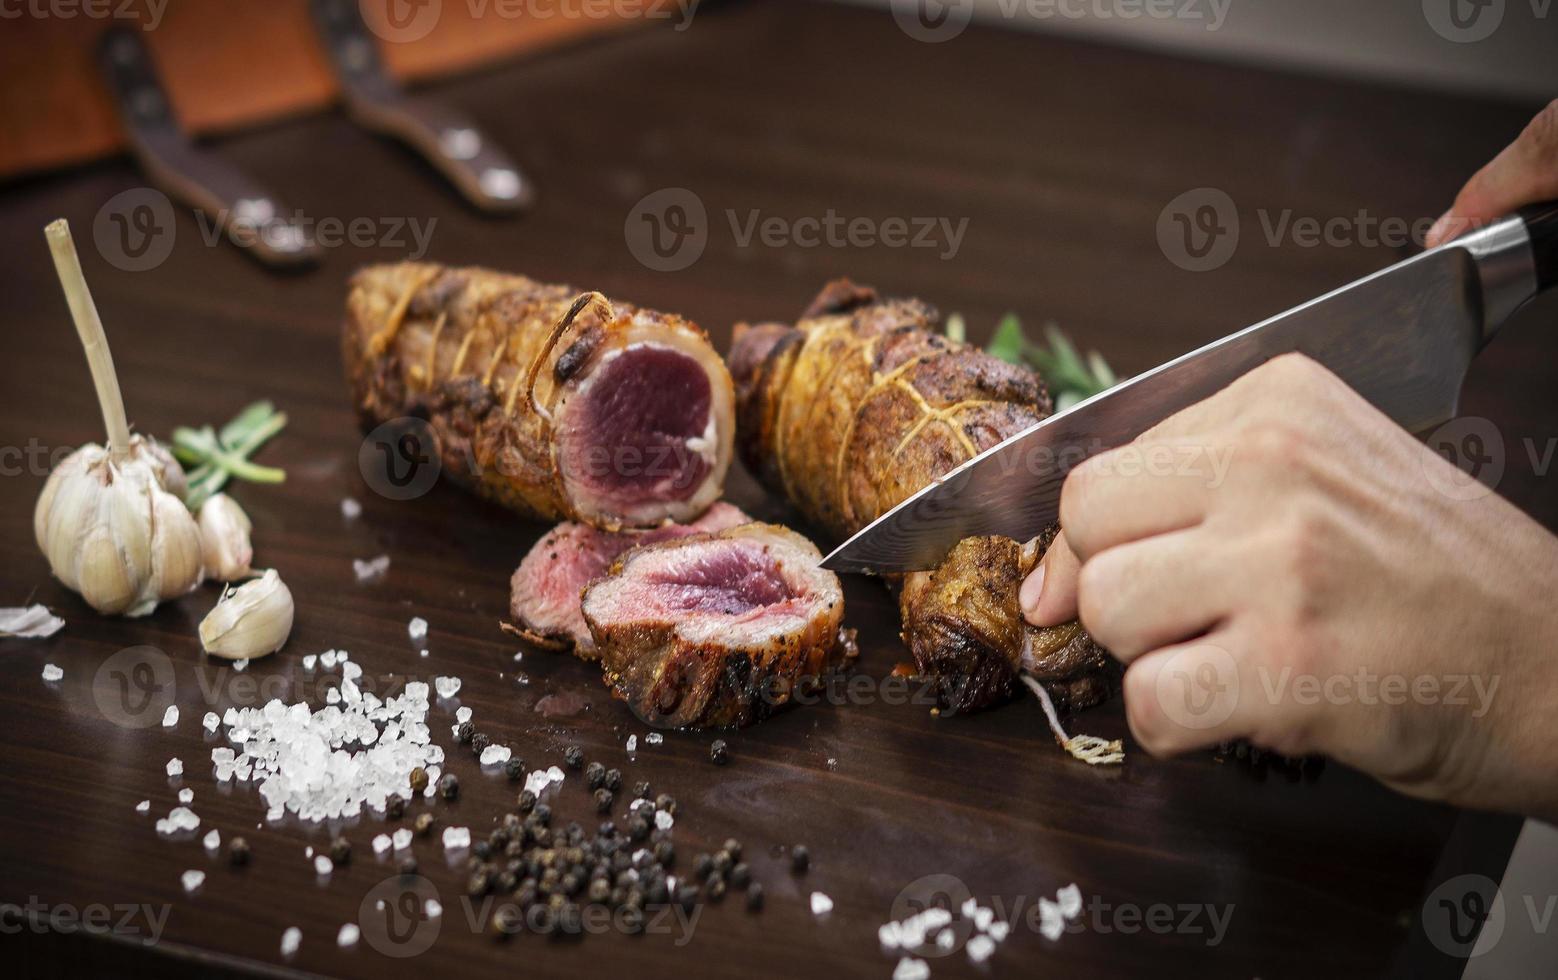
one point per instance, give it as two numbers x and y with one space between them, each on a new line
1524 173
1299 571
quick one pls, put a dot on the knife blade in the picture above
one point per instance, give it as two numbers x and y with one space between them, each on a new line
1402 337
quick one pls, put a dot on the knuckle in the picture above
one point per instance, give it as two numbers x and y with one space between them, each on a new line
1096 583
1275 443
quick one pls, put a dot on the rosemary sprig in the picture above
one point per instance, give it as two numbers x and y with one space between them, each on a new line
210 457
1071 376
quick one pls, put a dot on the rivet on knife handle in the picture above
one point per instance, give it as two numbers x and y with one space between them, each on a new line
479 170
250 215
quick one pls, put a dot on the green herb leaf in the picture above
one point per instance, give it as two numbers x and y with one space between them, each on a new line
1070 376
1010 344
211 458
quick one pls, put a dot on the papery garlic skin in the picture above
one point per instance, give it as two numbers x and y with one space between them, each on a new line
112 531
249 621
225 546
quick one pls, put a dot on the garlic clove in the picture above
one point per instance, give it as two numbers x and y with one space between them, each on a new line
175 547
225 544
249 621
170 475
100 576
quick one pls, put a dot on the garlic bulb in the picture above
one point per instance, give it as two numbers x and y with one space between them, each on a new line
249 621
224 538
109 519
113 533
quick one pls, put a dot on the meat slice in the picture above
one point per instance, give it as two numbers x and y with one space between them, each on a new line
965 628
546 591
557 403
718 629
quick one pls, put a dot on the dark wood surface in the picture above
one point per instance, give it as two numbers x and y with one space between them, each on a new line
1061 156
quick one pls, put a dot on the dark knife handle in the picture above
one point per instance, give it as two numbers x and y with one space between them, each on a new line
1542 224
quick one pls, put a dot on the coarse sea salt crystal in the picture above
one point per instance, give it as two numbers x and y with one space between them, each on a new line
632 743
423 653
381 843
456 838
171 716
290 940
999 931
52 673
820 904
910 968
322 865
327 660
210 722
979 948
433 908
494 755
447 687
192 879
310 660
186 795
350 671
417 629
653 738
143 807
664 820
462 714
212 840
402 838
348 935
1051 922
350 508
1069 899
240 665
373 568
889 934
982 918
175 766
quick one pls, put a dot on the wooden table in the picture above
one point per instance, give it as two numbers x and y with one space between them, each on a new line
1061 156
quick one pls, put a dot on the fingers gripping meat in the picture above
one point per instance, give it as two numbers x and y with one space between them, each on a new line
718 629
557 404
859 405
545 591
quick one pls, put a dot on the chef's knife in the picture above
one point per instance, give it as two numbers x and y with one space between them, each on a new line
1402 337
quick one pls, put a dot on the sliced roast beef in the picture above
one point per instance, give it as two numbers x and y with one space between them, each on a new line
718 629
547 588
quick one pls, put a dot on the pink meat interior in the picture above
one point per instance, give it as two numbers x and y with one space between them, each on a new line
626 436
722 578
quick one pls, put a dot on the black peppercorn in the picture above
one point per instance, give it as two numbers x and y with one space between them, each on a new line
665 854
722 862
702 866
448 786
657 893
526 801
754 897
687 897
666 802
594 775
477 884
465 733
418 779
506 922
603 800
499 839
238 852
632 920
716 889
341 850
424 824
408 865
573 757
542 813
800 858
638 828
607 829
600 890
507 882
479 741
514 769
733 848
740 875
613 779
394 806
641 791
482 850
719 752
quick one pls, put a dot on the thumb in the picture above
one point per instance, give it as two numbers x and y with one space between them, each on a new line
1049 593
1525 172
